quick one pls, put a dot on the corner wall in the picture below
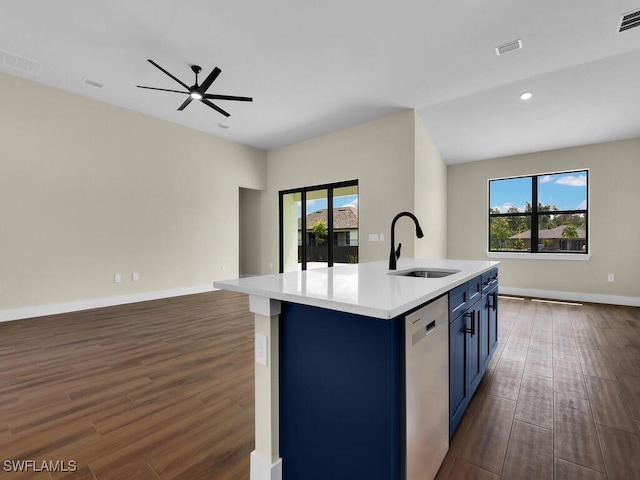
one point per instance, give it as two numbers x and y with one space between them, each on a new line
379 154
430 185
614 229
389 157
88 190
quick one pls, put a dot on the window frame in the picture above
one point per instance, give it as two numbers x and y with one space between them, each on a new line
329 187
534 216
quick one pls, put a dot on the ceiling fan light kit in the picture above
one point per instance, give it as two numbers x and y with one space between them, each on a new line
198 92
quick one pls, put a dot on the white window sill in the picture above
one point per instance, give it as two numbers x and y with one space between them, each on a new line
580 257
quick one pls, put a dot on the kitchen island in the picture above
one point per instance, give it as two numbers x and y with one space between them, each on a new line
334 394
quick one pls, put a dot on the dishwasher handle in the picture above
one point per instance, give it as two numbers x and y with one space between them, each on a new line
430 326
472 330
422 327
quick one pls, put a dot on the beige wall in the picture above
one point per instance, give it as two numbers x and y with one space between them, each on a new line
88 190
614 169
250 231
381 155
430 184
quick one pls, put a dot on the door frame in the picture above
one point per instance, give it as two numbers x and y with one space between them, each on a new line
329 187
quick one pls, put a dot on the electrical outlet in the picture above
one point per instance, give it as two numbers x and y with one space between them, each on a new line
117 278
224 268
135 276
261 349
382 237
611 277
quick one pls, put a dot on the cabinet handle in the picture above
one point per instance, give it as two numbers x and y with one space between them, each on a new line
472 330
495 301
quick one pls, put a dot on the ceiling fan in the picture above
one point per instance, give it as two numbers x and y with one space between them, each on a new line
198 92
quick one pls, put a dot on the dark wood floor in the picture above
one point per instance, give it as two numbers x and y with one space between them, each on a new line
155 390
560 400
164 390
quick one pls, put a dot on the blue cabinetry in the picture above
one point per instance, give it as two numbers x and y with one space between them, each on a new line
473 338
341 414
490 312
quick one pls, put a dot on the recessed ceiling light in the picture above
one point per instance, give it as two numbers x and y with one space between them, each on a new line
220 125
93 83
526 96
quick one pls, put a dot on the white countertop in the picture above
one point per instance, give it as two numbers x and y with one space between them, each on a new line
363 288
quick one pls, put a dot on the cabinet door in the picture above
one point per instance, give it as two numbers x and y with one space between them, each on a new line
474 360
485 354
458 387
492 311
475 289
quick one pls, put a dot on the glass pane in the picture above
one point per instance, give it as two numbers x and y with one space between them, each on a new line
562 233
317 241
345 225
511 195
291 237
563 191
510 234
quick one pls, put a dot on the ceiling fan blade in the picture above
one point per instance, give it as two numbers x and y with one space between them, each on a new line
163 70
162 89
209 80
215 107
185 103
228 97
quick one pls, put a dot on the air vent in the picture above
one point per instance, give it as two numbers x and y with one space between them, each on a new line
20 63
509 47
629 20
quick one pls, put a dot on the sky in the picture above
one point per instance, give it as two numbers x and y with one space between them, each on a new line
567 191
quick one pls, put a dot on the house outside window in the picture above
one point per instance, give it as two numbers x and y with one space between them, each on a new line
544 213
319 226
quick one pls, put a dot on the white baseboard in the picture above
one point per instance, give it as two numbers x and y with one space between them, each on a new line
55 308
571 296
262 469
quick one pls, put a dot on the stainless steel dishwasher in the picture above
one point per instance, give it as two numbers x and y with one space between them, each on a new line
427 389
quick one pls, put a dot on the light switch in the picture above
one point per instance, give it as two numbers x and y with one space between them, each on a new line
373 237
261 349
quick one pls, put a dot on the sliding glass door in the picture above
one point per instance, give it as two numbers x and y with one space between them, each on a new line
319 226
290 234
316 238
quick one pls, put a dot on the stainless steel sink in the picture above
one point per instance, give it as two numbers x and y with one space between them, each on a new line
425 273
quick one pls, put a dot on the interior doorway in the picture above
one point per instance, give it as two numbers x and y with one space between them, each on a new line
249 254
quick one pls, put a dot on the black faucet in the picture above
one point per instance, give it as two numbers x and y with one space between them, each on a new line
394 255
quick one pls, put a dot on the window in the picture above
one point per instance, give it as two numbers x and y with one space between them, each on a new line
328 235
544 213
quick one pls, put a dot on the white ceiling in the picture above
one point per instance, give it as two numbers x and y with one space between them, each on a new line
317 66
